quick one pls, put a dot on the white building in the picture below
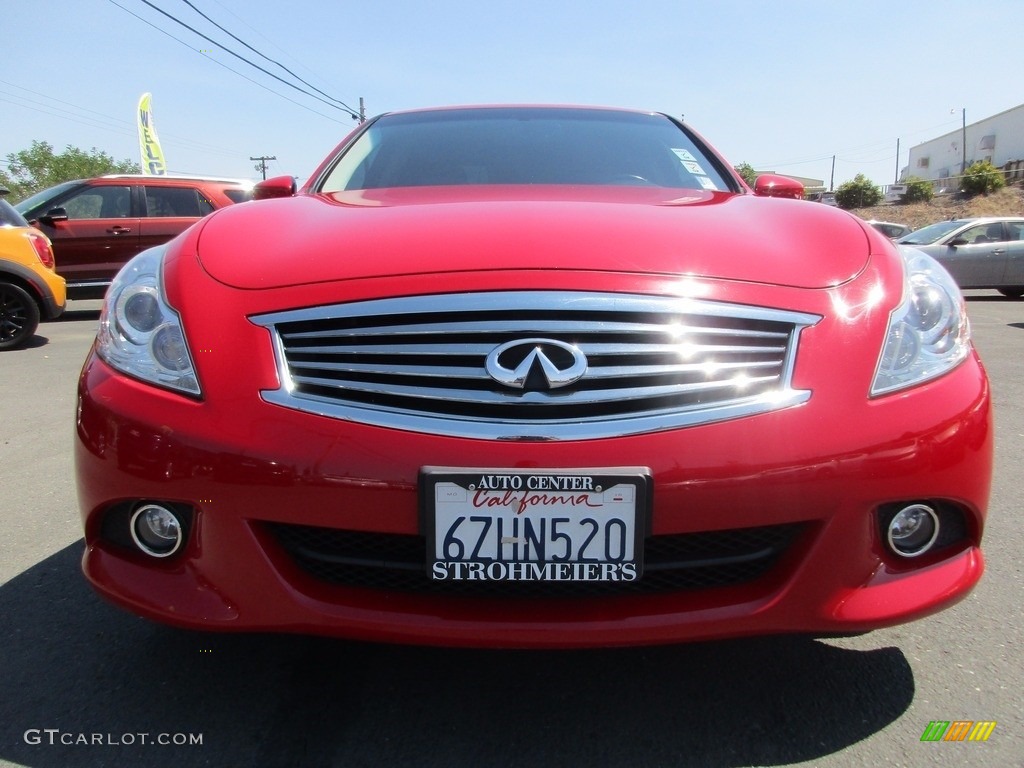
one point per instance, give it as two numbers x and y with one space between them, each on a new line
998 139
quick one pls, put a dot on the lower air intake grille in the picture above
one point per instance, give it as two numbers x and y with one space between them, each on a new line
536 365
393 562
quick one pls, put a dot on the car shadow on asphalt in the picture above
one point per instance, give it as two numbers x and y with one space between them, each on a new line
988 296
83 681
37 340
84 313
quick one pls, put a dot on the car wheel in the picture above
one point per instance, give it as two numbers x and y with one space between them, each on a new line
19 316
1014 293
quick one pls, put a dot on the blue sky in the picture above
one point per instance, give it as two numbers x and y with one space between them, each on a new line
781 85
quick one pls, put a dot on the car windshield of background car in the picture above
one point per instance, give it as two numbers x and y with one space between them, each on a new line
39 198
524 146
931 233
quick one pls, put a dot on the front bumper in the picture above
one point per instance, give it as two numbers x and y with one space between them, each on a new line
242 465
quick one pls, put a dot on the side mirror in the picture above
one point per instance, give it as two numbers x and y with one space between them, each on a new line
770 185
279 186
54 215
957 241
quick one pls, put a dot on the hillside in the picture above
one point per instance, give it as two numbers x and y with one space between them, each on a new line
1008 201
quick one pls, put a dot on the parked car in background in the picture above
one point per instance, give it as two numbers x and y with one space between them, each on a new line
978 252
827 198
30 289
895 193
890 229
97 225
532 377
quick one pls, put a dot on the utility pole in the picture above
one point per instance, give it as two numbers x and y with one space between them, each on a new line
362 110
963 142
262 167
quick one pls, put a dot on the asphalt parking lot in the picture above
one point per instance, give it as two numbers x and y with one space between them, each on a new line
84 684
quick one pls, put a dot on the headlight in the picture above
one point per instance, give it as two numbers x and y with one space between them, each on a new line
928 333
139 333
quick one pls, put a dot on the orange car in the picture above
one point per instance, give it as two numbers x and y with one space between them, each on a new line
30 288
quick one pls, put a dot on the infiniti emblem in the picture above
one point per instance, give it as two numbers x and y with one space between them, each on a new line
536 364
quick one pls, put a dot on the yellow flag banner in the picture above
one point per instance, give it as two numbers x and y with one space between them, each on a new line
149 144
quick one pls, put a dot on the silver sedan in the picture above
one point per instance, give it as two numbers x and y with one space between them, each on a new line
979 253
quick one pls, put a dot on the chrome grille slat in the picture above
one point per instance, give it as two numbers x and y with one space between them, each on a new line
400 370
653 363
483 349
399 349
510 397
619 372
606 372
554 326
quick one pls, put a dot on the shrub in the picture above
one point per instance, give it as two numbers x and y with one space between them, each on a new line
918 191
982 178
859 193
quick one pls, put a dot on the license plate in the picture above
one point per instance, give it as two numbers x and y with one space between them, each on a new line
537 525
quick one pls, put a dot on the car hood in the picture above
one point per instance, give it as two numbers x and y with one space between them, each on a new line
341 236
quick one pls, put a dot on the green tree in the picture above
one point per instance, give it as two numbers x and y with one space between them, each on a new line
38 167
982 178
859 193
918 190
746 170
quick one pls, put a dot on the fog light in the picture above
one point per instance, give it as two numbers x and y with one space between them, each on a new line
913 530
156 530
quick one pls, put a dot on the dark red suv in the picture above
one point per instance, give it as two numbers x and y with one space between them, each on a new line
96 225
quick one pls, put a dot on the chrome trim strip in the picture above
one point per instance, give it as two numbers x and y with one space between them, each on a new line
90 284
581 301
572 429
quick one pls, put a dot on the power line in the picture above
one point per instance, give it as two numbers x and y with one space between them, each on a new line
849 150
267 72
222 64
269 41
75 119
102 120
267 58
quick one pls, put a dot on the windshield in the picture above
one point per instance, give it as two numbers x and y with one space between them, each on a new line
518 145
26 205
931 233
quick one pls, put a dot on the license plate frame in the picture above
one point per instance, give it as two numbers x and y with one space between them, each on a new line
552 525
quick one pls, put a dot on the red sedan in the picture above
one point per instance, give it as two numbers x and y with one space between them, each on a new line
533 377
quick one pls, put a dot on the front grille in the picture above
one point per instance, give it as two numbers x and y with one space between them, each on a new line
420 363
394 562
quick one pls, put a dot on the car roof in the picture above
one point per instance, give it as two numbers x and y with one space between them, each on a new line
174 177
986 219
